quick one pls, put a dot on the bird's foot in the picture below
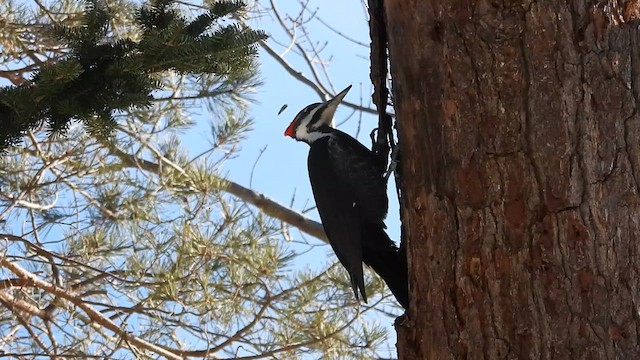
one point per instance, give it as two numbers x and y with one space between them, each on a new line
393 164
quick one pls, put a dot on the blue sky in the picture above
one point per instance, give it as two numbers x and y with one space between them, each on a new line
281 169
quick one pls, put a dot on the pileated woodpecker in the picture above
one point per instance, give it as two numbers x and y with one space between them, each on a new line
351 196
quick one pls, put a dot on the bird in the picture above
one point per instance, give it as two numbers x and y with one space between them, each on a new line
349 187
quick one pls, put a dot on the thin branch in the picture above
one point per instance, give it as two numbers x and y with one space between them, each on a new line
304 343
261 201
378 77
236 336
33 355
20 305
255 164
341 34
38 250
10 334
303 53
93 314
300 77
27 326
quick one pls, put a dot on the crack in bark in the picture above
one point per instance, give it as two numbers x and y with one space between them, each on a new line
528 126
635 90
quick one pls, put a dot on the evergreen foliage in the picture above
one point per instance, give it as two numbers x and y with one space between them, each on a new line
102 75
144 228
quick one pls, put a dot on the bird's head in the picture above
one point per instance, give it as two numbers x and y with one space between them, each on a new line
315 120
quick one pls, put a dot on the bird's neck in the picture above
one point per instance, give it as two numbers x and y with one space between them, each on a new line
319 133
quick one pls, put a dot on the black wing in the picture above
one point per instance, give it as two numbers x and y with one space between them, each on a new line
339 211
363 173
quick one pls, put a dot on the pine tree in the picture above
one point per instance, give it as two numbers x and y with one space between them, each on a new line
121 243
101 74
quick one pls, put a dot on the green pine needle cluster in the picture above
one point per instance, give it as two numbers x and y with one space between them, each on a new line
102 75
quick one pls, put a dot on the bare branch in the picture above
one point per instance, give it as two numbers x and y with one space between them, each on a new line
341 34
21 305
261 201
93 314
303 79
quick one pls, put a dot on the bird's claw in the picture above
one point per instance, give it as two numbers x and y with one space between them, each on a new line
393 163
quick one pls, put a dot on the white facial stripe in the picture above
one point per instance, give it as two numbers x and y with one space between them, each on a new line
302 131
309 117
303 134
315 116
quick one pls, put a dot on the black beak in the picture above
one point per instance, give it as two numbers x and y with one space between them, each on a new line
338 98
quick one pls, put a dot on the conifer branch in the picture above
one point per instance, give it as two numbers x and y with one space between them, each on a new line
261 201
101 75
92 313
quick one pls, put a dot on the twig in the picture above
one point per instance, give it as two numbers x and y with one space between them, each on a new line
303 79
255 163
21 305
93 314
378 76
262 202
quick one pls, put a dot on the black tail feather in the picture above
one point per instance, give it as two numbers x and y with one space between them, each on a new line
384 257
357 283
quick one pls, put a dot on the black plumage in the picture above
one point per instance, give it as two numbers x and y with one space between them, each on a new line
349 187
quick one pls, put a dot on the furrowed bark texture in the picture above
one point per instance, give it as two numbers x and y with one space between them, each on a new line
520 140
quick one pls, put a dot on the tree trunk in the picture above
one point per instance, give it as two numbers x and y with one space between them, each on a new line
520 150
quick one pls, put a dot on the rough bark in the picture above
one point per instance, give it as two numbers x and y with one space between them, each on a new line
520 141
